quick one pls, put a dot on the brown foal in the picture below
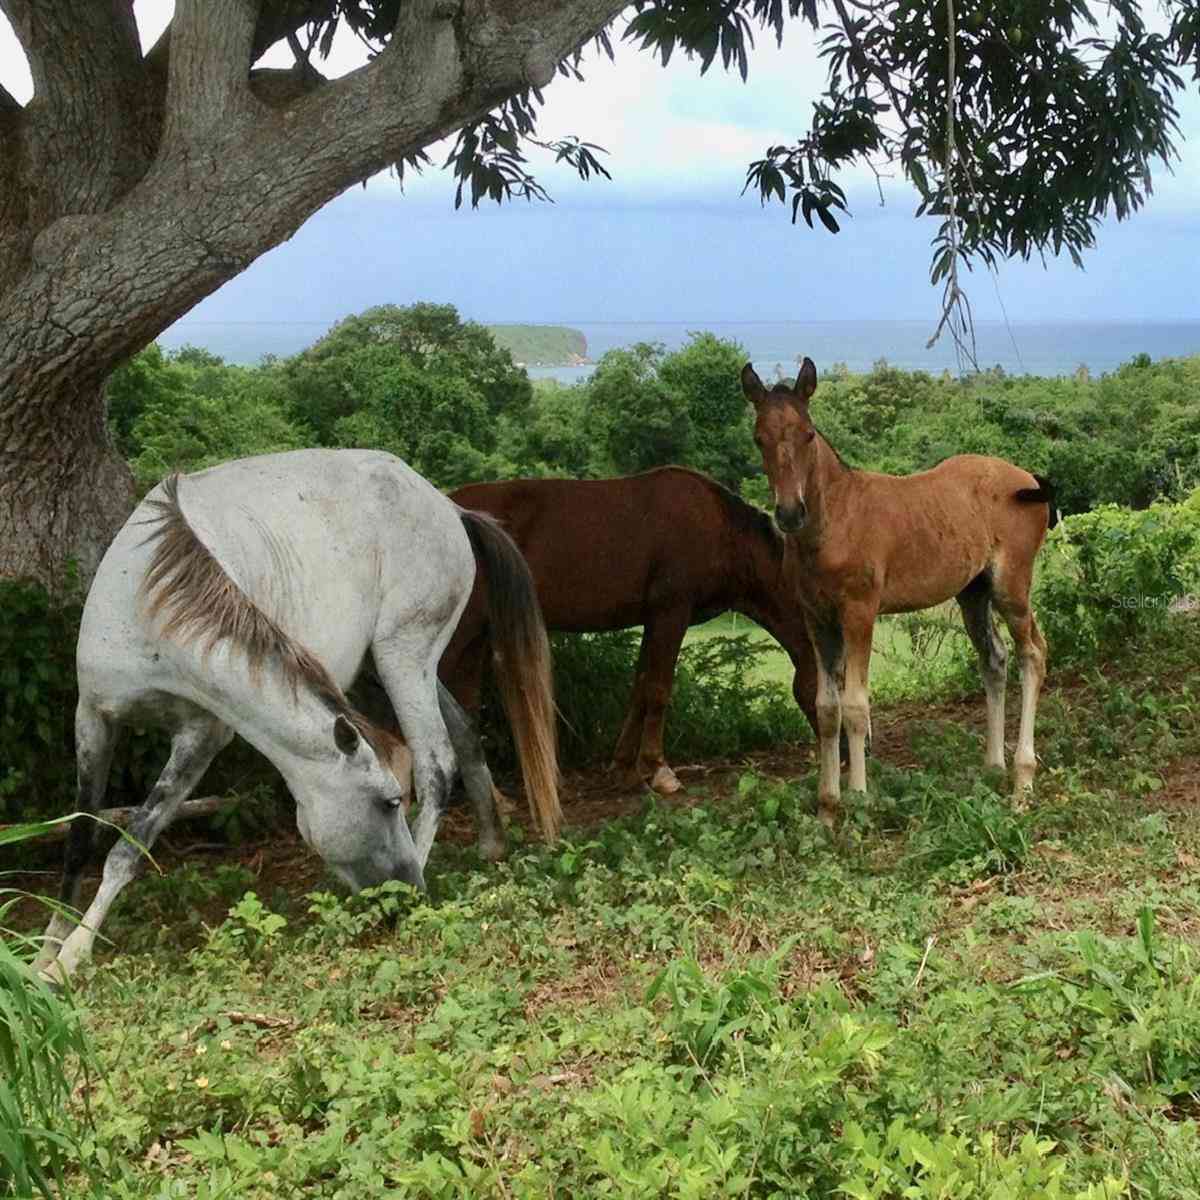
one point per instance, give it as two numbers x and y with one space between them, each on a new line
861 543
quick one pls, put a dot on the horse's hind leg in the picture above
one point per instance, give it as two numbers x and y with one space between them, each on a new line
1031 651
477 779
95 739
461 671
193 747
975 603
664 635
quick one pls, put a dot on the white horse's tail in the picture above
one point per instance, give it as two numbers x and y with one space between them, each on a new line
522 660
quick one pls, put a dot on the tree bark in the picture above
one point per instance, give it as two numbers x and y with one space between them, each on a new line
131 188
64 489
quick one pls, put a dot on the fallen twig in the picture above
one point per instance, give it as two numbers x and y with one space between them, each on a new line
203 806
924 959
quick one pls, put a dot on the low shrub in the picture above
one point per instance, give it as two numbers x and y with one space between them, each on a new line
37 697
715 709
38 694
1112 574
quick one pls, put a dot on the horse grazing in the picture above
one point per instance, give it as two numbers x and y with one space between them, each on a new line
664 549
243 599
862 543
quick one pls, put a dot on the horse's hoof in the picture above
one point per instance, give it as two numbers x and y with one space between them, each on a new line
1022 782
45 959
54 977
664 781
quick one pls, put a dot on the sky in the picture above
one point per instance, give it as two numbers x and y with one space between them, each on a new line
671 237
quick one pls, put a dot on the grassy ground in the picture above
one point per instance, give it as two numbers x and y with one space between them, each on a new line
953 998
906 653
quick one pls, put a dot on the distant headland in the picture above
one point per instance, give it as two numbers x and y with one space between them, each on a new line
542 345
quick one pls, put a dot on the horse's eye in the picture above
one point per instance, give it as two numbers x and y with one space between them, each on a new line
392 803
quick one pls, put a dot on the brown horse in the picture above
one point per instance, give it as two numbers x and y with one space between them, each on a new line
664 549
860 544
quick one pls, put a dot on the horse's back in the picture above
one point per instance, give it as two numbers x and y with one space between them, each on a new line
602 551
327 542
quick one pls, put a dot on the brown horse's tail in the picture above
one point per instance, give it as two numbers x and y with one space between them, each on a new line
1042 494
522 657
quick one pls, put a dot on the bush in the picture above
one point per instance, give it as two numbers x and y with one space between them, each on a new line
714 709
38 694
224 413
1113 574
37 698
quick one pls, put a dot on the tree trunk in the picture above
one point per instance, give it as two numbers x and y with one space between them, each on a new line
64 489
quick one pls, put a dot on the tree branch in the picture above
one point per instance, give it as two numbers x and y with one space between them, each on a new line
8 102
101 288
209 68
15 238
65 40
435 75
866 68
85 136
276 20
280 87
279 18
202 806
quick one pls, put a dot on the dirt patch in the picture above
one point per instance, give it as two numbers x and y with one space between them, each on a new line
1181 786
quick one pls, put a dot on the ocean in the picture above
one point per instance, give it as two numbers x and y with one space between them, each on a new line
1059 348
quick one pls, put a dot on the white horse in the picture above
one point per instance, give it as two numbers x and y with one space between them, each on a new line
244 599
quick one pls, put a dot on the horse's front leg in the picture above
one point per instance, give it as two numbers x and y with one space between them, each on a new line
830 649
193 748
413 689
858 627
629 742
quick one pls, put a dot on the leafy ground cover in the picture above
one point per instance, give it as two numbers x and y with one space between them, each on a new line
953 998
909 653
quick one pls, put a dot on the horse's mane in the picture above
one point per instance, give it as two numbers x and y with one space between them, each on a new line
746 518
187 584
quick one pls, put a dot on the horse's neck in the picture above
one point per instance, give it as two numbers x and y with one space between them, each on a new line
290 728
824 493
764 594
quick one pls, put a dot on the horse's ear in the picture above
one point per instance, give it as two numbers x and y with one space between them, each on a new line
752 385
345 735
806 381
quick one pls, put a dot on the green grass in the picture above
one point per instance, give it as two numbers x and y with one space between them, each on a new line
44 1055
909 654
953 998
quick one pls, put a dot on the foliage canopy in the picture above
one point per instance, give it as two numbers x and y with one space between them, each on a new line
1060 107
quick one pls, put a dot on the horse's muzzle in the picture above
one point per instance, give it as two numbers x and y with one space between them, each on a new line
791 519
